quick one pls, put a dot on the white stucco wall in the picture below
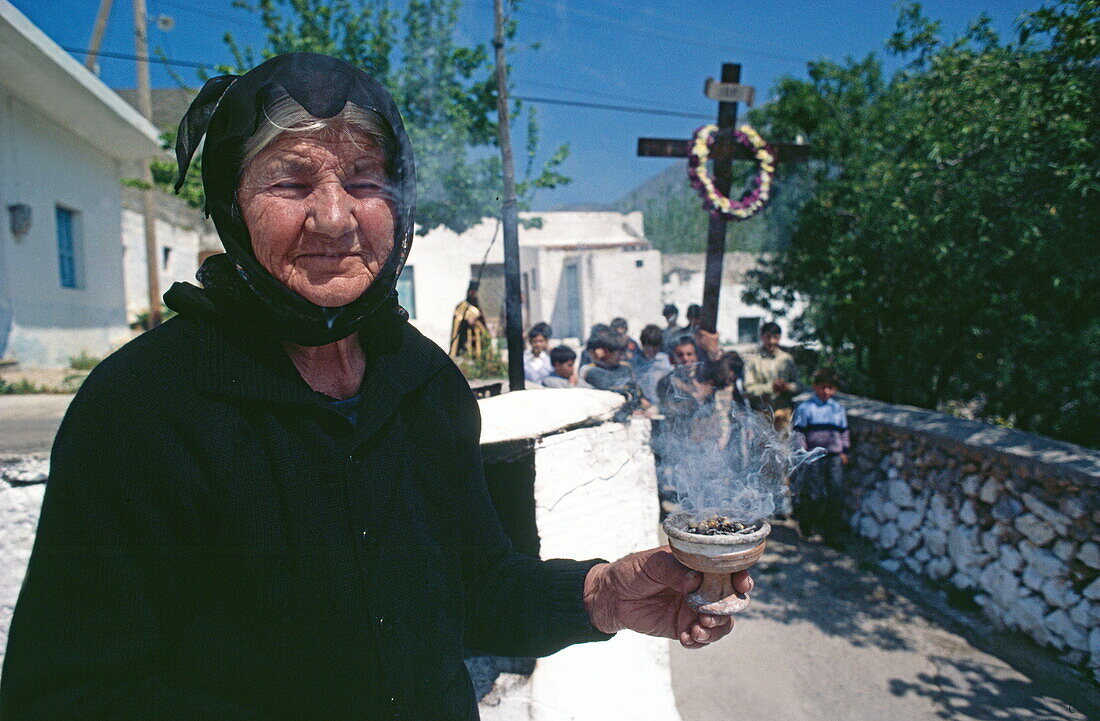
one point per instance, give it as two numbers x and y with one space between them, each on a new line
183 258
44 166
683 289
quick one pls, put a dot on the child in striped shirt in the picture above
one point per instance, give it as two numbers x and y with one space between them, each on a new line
819 490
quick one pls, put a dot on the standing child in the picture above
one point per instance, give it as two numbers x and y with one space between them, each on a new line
819 492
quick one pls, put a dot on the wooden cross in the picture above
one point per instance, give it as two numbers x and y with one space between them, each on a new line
725 150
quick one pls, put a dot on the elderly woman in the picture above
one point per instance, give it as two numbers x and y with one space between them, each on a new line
272 506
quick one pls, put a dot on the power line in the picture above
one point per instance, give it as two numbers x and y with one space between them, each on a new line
620 108
147 58
593 17
528 98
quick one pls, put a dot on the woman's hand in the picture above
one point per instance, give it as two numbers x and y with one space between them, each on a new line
647 592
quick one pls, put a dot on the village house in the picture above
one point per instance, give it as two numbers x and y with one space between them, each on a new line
66 143
185 237
577 269
738 322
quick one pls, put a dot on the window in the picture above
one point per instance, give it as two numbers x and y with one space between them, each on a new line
165 256
639 263
406 291
748 329
68 248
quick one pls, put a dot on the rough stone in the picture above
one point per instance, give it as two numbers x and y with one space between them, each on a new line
940 514
1058 623
1029 613
890 565
913 564
909 520
1073 507
874 505
1035 529
1010 558
990 491
1033 579
962 547
1094 645
888 536
892 473
1007 509
868 528
1001 585
1064 549
890 511
971 484
967 513
1059 521
1055 592
1090 554
1092 591
935 541
939 568
907 543
1081 613
991 544
962 580
1043 561
923 555
900 493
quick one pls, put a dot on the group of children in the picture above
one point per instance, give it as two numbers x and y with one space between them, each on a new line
672 378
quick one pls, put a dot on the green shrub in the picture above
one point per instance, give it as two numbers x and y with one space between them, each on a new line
83 361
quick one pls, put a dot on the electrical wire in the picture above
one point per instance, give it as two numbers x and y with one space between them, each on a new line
527 98
605 106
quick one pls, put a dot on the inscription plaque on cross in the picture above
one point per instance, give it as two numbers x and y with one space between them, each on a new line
724 151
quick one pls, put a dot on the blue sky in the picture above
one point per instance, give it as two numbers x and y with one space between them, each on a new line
638 53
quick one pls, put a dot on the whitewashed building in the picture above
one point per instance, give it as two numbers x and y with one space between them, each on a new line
578 268
738 322
184 238
66 143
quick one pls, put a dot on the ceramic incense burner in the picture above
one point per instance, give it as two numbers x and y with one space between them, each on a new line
716 557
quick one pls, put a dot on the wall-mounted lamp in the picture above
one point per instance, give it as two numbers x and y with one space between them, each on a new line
19 216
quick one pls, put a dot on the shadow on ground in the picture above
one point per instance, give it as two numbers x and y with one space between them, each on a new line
831 591
962 688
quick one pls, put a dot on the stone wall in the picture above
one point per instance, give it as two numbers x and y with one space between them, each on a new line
1008 516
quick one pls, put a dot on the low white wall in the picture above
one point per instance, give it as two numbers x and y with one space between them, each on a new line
595 497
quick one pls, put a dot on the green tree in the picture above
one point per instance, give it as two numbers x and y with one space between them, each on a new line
949 249
445 90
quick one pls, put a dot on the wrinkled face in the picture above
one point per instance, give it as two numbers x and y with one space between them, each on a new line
320 214
685 354
770 341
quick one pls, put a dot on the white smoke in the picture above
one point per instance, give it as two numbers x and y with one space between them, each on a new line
743 475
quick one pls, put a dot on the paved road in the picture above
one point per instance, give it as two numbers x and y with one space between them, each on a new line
826 639
28 423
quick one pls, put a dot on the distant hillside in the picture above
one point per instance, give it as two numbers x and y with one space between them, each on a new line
675 221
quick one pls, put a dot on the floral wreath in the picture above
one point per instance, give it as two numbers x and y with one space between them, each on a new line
714 202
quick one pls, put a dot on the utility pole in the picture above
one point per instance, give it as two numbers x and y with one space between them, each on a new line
509 216
97 33
145 107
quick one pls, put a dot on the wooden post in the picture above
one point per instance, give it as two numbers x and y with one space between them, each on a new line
145 106
97 33
716 229
509 217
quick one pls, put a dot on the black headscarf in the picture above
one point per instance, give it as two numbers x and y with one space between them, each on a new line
228 111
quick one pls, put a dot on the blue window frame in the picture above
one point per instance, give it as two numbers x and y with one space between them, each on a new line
406 291
67 248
